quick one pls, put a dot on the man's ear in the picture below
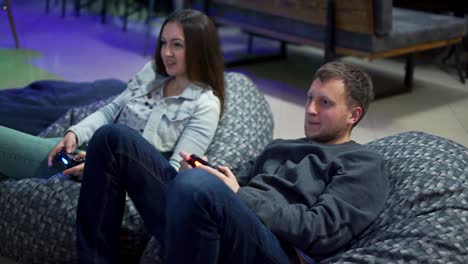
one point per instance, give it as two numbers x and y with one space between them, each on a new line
356 114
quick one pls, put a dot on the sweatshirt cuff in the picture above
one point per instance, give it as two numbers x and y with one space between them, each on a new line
245 196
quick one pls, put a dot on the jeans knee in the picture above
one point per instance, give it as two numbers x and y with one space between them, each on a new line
192 188
110 130
111 134
186 183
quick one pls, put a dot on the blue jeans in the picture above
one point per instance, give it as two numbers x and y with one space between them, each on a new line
195 216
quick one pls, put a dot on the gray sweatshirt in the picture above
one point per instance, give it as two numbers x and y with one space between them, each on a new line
316 197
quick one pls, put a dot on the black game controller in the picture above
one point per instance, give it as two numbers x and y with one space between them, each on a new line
67 160
196 161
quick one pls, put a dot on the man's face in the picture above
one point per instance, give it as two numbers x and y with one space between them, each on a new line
327 116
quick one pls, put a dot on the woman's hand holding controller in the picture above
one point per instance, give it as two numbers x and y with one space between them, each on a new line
68 143
78 169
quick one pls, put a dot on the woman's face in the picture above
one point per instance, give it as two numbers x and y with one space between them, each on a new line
173 49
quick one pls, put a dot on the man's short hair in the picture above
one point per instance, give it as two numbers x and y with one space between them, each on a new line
358 84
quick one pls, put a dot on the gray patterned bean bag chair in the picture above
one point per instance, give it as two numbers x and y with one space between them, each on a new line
425 219
37 216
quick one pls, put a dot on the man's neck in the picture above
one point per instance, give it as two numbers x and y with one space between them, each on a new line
335 141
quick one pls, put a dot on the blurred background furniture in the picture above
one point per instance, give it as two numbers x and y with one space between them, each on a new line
6 5
78 4
126 8
455 7
130 7
369 29
63 7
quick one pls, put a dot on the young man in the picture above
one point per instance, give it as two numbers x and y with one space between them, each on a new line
298 199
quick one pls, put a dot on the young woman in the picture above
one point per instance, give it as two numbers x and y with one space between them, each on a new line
174 102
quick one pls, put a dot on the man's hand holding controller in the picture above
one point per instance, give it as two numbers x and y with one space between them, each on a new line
196 161
221 172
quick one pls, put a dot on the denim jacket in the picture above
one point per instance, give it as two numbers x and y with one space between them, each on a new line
184 122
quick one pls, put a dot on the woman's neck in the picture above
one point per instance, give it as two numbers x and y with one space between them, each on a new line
175 86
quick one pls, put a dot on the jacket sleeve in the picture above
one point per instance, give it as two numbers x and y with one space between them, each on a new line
200 129
85 129
354 194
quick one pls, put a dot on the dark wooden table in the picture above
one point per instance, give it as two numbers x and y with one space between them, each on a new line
458 8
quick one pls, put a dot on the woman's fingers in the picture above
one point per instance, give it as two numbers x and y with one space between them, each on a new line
54 152
75 171
68 143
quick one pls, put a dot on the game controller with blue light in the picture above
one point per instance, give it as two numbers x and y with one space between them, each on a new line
67 160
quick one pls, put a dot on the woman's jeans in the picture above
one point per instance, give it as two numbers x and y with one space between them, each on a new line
195 216
24 156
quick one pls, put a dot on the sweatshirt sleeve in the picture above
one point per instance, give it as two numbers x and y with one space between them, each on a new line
247 170
243 175
354 194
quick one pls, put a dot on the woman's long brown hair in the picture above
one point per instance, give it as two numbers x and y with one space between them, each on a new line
203 57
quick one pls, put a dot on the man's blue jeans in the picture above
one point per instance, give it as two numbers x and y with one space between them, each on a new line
195 216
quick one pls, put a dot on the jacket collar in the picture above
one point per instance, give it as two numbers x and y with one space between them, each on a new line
147 79
191 92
